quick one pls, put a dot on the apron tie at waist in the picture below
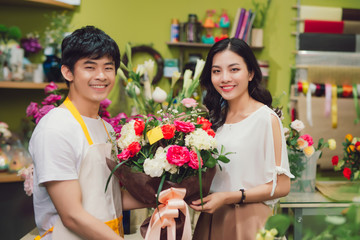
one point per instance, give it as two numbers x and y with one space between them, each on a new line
115 225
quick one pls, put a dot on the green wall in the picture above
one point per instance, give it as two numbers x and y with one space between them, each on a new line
148 22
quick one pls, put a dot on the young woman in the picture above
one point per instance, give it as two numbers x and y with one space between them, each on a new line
245 190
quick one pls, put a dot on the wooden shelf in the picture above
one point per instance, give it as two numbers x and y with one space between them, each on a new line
10 177
28 85
198 45
40 3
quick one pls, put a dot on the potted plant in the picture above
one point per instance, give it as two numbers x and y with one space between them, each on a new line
257 34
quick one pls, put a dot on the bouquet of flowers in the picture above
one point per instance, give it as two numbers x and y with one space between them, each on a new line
350 163
300 146
168 142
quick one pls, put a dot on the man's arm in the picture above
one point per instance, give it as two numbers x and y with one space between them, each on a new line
66 196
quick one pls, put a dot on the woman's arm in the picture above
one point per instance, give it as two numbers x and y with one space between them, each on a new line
129 202
257 194
66 196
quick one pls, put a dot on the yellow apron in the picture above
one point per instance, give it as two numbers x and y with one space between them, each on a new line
92 178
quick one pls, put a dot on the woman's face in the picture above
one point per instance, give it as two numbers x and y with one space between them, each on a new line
230 76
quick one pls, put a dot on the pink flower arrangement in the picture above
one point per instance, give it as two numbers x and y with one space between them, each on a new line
178 155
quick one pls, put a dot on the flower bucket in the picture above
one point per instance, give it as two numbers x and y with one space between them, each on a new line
306 182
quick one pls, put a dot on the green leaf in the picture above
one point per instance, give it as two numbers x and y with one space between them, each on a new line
210 162
159 190
112 172
280 222
200 178
223 159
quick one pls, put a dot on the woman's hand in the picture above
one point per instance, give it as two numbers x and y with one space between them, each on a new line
211 202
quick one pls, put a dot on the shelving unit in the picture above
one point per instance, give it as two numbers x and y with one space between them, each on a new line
28 85
10 177
183 45
40 3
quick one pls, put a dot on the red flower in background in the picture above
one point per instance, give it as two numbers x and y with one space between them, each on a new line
347 173
210 132
185 127
335 160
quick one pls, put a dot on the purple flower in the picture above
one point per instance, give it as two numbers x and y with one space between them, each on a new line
32 109
52 98
31 45
42 112
105 103
50 87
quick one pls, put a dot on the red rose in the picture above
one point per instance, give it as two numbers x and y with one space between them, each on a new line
210 132
347 173
357 146
177 155
194 161
124 155
168 131
205 123
185 127
134 148
139 127
335 160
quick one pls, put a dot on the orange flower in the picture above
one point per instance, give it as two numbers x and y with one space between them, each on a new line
349 137
302 143
350 148
309 151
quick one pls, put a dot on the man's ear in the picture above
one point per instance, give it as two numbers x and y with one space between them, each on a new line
67 74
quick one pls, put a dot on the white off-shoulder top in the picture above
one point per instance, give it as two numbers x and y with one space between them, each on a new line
253 160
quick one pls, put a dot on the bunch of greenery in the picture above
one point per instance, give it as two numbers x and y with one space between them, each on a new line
261 10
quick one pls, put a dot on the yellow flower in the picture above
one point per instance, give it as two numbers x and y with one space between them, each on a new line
175 77
302 143
349 137
350 148
259 237
309 151
332 144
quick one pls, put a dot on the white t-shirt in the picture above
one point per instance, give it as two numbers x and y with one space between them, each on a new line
57 146
253 160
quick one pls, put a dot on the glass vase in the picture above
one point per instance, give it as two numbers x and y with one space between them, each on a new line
306 181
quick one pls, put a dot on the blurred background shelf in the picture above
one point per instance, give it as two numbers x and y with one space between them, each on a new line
28 85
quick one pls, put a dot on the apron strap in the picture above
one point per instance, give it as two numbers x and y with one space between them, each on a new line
38 237
78 117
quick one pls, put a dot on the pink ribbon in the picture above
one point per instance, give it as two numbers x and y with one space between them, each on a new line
172 200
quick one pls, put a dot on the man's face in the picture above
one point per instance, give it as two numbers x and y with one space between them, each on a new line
92 79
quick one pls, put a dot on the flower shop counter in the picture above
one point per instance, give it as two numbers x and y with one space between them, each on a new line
312 204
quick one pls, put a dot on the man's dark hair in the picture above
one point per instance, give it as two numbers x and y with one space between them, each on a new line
88 42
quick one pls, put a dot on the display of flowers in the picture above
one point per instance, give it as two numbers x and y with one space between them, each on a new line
349 164
5 133
302 145
30 44
148 99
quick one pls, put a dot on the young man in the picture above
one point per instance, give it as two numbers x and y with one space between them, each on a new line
70 144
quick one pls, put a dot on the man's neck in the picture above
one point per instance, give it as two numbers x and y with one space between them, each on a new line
86 108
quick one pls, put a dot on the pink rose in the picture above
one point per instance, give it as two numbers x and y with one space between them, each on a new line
52 98
50 87
32 109
177 155
194 162
189 102
105 103
308 138
124 155
185 127
42 112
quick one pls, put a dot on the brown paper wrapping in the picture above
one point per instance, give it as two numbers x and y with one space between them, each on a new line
144 188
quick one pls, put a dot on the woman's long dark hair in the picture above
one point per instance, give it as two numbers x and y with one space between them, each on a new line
213 101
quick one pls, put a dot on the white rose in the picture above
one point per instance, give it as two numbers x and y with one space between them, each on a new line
297 125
